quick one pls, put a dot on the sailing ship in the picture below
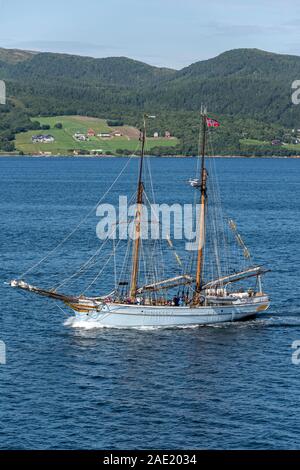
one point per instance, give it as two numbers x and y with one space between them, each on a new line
197 299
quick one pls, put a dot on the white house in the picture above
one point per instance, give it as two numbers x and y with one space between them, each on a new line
80 137
104 135
43 139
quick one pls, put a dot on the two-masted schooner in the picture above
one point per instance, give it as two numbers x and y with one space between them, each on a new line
188 298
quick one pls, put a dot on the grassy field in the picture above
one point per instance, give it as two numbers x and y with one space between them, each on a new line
65 143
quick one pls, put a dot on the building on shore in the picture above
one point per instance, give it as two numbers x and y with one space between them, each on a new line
42 139
80 137
104 135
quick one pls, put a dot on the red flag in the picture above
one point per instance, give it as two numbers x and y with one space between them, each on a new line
212 122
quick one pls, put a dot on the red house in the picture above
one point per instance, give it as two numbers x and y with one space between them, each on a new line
91 133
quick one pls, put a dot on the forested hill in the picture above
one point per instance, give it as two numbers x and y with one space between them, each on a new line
250 89
111 71
247 82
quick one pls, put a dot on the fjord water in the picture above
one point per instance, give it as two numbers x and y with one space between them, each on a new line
223 387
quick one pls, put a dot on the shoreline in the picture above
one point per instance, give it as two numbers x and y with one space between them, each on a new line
16 155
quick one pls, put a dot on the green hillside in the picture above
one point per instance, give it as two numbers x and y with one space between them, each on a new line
13 56
65 143
249 89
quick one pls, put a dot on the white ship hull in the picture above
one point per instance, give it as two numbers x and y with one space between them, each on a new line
134 316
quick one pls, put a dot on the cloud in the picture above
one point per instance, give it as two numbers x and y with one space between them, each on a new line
224 29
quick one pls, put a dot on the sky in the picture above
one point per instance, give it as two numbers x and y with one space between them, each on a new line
165 33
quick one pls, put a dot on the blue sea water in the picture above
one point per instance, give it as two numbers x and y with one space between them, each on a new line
224 387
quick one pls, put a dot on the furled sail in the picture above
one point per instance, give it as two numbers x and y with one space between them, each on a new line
167 283
235 277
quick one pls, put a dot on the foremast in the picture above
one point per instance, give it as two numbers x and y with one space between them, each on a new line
202 212
138 215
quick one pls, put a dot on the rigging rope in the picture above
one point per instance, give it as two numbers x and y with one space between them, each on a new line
81 222
88 263
102 269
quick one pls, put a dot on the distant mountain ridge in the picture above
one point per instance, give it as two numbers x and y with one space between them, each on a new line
241 83
119 71
13 56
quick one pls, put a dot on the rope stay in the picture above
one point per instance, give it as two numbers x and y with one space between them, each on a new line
62 242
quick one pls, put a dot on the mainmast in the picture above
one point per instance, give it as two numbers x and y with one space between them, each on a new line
138 214
202 214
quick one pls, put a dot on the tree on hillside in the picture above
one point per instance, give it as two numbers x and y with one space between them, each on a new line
115 122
